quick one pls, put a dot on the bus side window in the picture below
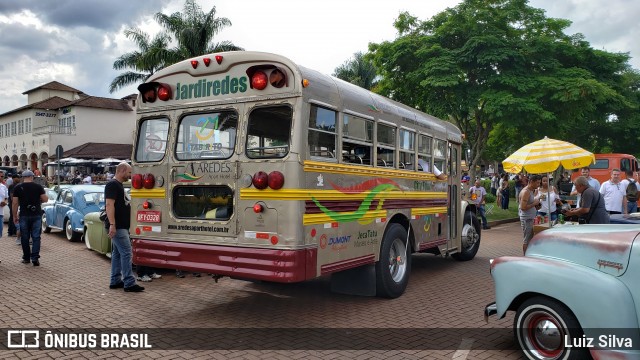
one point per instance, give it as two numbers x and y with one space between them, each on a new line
322 132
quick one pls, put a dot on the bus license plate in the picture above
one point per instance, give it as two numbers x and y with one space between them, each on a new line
149 216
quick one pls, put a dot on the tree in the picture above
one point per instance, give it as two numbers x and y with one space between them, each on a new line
149 58
358 71
194 31
488 64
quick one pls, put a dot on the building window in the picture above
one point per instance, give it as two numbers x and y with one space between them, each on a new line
6 130
20 126
1 132
72 122
13 128
28 125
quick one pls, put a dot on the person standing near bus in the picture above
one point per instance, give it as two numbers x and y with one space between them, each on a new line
593 183
477 194
527 209
614 192
118 211
29 196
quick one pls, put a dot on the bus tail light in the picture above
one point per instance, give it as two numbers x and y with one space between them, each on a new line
206 61
219 59
260 180
277 78
259 80
136 181
276 180
151 91
257 208
148 180
164 92
194 63
147 205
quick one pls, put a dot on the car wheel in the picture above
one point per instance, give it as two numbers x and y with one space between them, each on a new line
470 238
541 326
68 231
394 265
45 228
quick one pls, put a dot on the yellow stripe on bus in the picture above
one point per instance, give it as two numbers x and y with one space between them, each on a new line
320 218
148 193
300 194
428 211
317 166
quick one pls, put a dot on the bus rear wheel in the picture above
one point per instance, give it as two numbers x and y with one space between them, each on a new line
394 265
470 241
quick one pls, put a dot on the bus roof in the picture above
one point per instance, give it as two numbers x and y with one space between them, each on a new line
322 89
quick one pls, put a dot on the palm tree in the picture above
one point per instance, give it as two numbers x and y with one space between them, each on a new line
149 58
194 31
358 71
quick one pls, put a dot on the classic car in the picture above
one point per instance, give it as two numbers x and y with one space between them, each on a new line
68 211
576 293
95 234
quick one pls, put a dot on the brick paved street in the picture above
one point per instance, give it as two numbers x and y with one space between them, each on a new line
70 290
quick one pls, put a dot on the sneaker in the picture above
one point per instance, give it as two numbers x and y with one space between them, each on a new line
179 274
134 288
145 278
36 262
196 275
18 242
25 261
156 276
119 285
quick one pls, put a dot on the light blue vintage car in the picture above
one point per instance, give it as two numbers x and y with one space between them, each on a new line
576 293
68 211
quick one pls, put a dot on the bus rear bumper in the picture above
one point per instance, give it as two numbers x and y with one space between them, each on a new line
285 266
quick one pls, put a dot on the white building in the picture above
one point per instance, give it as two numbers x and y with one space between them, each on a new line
57 114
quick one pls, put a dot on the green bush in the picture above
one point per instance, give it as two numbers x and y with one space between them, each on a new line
490 199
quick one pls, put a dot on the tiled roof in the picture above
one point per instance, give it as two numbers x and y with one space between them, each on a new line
52 103
54 85
102 103
93 150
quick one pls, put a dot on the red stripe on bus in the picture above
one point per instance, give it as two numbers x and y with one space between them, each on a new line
347 264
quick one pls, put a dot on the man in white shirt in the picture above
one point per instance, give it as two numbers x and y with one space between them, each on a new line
613 193
593 183
425 167
4 200
87 179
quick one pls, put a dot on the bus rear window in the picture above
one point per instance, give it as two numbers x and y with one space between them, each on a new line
152 140
203 202
268 132
207 136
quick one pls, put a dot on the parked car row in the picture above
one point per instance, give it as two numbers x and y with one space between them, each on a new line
68 210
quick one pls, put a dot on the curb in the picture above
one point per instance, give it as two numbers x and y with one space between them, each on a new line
503 221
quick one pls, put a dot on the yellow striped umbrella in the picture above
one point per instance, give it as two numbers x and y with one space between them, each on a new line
546 155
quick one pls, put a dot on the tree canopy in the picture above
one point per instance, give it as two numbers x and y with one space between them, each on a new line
507 75
358 71
192 31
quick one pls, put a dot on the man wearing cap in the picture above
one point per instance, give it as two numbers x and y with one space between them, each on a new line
29 195
13 231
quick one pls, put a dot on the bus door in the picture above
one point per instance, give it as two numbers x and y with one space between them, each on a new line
203 175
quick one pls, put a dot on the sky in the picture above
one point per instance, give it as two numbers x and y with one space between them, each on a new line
75 42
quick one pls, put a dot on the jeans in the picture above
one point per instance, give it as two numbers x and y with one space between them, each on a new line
12 226
1 223
632 207
484 218
30 226
552 217
121 255
505 199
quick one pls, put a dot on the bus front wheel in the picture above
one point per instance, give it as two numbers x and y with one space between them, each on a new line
394 265
470 241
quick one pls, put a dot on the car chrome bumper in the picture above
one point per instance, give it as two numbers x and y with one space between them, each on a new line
489 310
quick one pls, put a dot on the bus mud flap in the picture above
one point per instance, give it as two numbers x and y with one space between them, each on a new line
359 281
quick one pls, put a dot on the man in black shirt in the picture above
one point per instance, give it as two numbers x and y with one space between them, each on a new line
28 196
118 210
